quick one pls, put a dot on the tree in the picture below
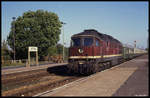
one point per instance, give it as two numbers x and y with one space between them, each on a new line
5 52
39 28
52 51
60 50
146 49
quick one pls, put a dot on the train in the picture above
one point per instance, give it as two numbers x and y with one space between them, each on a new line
91 51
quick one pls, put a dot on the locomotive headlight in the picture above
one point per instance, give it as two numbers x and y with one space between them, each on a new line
80 50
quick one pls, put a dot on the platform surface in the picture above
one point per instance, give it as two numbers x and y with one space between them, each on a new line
127 79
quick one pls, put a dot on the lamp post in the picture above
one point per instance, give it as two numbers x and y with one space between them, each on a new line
63 39
148 42
14 35
135 43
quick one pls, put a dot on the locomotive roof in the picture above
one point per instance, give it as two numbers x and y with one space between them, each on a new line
93 32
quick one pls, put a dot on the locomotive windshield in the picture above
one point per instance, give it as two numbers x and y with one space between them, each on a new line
88 41
76 42
82 41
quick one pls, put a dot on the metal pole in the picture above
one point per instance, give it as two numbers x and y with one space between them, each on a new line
134 46
37 58
63 44
148 42
135 43
14 36
63 40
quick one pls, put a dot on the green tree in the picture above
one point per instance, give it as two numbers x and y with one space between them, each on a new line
146 49
5 52
39 28
52 51
60 50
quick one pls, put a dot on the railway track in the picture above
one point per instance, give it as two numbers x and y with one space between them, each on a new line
30 83
37 81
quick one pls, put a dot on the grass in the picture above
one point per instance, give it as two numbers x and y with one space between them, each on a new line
12 64
7 64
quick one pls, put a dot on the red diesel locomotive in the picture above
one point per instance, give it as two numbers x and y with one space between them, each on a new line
91 51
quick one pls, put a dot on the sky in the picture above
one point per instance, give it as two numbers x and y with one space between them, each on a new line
125 21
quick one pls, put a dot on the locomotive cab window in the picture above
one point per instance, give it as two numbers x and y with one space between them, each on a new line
97 42
88 41
76 42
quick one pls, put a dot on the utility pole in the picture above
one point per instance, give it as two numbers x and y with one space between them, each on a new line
148 42
135 43
14 36
63 40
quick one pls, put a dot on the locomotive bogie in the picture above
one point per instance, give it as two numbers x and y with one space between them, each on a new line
81 66
90 66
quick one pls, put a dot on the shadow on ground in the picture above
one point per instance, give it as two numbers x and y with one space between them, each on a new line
61 70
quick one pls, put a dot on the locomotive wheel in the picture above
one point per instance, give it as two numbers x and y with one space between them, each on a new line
104 66
107 65
120 60
99 66
84 69
80 69
70 68
94 68
88 68
76 68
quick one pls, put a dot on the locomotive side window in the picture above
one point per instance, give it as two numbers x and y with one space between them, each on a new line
107 43
88 41
97 43
76 42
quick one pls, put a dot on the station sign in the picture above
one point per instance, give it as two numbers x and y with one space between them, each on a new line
32 49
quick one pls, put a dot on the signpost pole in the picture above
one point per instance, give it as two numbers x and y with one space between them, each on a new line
37 58
28 64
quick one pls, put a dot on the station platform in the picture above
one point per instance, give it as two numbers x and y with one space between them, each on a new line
22 69
127 79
